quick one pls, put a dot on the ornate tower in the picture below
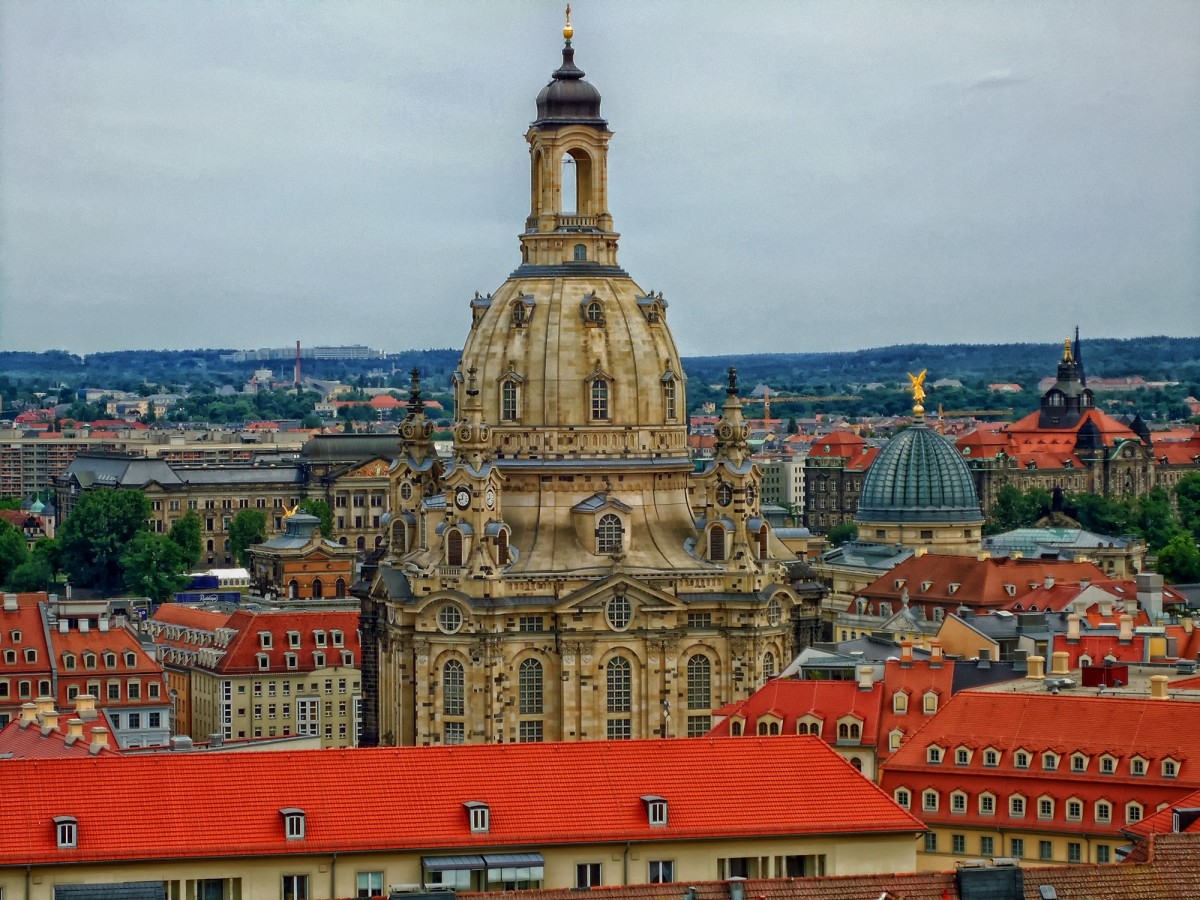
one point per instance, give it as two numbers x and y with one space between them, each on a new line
556 583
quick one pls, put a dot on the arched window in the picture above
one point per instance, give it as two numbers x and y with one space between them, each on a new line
580 252
519 313
454 547
341 587
856 762
735 729
529 688
293 589
716 543
317 589
594 312
699 682
399 538
361 543
768 665
502 547
609 534
762 542
619 685
570 185
453 688
508 400
599 399
670 404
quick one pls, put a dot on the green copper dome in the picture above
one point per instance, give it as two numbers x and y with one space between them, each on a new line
918 477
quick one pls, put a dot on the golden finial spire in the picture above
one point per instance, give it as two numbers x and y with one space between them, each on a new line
917 383
1067 350
568 31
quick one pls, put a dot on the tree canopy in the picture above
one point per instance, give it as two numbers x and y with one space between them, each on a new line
185 532
153 565
96 534
248 527
321 510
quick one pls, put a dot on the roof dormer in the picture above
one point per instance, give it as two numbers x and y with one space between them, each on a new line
293 823
478 816
656 810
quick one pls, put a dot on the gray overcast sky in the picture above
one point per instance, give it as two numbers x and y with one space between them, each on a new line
793 176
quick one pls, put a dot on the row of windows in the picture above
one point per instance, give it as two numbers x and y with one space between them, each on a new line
599 393
1016 848
986 805
292 660
320 638
1050 761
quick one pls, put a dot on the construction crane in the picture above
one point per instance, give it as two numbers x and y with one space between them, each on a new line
974 412
766 400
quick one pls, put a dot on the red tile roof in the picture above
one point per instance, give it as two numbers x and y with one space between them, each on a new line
791 699
29 742
837 444
189 616
1154 730
916 680
994 582
26 619
241 654
412 798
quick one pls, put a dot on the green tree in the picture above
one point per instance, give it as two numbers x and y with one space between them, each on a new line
312 420
1187 498
32 575
1154 519
1179 560
97 533
49 550
839 534
186 533
1014 508
13 550
792 427
154 565
10 502
1102 515
321 510
248 527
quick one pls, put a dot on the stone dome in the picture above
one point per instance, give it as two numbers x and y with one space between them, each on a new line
568 99
919 477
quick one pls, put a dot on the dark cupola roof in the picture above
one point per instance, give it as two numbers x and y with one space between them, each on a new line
568 99
918 477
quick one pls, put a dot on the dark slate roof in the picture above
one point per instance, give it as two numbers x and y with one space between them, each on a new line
350 447
918 476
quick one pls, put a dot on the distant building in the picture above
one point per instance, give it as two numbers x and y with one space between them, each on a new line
833 478
301 563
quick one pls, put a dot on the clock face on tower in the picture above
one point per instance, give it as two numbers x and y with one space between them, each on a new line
462 497
489 498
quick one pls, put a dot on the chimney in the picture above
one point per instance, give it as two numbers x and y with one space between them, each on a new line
215 740
1106 606
1158 687
63 626
906 654
28 713
1186 624
1036 667
44 705
1085 583
1131 605
737 889
866 678
983 555
1060 663
74 731
49 722
1049 582
936 656
181 742
10 602
85 706
1072 627
1126 635
103 624
99 740
83 626
1150 594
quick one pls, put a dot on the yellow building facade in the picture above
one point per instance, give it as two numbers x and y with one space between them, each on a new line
555 580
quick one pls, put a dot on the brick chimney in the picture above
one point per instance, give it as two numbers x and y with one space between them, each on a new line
1158 687
936 657
99 740
1036 667
74 731
85 707
1060 663
906 654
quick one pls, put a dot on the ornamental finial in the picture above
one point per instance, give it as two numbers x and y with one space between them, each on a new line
1067 351
568 31
917 385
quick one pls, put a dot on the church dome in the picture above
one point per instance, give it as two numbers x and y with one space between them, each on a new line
568 99
919 477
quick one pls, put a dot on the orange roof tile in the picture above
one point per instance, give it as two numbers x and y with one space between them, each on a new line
189 616
412 798
241 654
791 699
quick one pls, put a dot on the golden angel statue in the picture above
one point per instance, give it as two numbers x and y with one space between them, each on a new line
917 383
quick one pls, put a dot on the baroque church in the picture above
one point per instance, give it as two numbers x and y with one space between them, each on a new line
568 574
